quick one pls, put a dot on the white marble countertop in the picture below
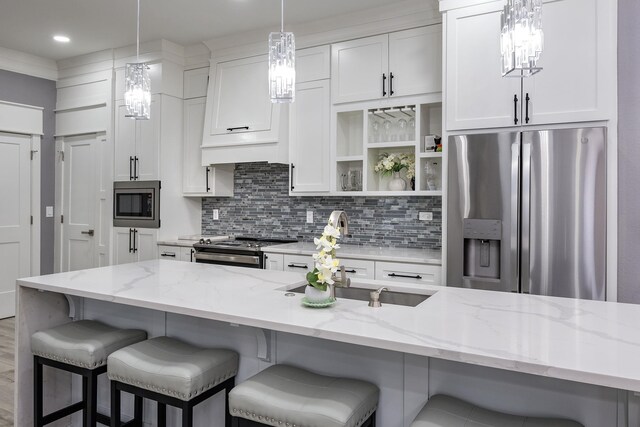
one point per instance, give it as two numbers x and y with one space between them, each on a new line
586 341
373 253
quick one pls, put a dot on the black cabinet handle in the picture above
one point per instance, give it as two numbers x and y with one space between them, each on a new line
292 265
390 84
291 176
515 109
384 84
417 276
130 168
526 117
350 271
130 247
135 240
136 168
192 252
169 254
238 128
207 179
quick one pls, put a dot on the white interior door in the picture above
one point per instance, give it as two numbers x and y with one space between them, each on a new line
79 199
15 190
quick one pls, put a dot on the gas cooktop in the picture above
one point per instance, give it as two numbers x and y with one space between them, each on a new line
243 243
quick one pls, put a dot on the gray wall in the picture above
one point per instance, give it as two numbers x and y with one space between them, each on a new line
261 205
628 151
29 90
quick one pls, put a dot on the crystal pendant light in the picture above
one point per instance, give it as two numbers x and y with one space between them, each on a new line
521 37
137 96
282 64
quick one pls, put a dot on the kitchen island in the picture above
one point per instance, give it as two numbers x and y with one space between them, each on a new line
554 356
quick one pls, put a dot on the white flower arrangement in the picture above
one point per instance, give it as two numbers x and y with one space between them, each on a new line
395 162
326 262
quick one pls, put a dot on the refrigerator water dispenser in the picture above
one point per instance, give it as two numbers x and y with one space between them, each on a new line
482 239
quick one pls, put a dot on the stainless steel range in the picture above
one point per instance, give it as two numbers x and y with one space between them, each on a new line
240 252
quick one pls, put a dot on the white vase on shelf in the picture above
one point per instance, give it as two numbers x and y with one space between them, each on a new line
397 183
316 295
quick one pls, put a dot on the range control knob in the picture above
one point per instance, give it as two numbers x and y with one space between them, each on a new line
208 241
201 241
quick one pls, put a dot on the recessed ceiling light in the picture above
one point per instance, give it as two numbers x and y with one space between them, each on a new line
62 39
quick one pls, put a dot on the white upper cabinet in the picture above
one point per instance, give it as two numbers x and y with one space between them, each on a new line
477 96
576 81
360 69
390 65
574 85
196 82
415 61
313 63
241 97
199 180
309 139
137 144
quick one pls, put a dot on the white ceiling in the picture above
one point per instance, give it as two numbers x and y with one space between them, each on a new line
92 25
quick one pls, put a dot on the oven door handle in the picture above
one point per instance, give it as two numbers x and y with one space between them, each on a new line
236 259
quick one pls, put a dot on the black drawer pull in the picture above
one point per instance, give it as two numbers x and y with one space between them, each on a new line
350 271
238 128
292 265
406 276
170 254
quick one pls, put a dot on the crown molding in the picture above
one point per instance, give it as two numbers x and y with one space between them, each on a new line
379 20
31 65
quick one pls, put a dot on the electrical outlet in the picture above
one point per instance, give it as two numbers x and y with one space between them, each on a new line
216 215
49 211
426 216
309 217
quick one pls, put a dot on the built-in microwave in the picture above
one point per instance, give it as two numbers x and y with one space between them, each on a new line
136 204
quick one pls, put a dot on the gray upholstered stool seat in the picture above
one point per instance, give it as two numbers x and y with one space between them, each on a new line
446 411
173 368
85 343
286 396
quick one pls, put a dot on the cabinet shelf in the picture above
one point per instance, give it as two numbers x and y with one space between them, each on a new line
430 155
394 144
349 158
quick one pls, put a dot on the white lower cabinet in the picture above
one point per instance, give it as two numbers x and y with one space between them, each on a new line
298 263
134 245
409 273
357 268
175 253
273 262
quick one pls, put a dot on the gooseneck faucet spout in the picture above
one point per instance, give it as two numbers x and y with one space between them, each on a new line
338 219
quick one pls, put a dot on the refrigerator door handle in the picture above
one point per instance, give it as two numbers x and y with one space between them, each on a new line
514 236
525 245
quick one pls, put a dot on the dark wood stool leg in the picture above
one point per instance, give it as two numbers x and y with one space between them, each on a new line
115 405
227 416
187 415
90 397
37 392
162 415
137 410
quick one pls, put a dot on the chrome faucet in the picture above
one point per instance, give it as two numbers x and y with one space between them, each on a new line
338 219
341 281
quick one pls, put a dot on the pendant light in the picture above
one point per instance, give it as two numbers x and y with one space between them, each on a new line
282 64
137 94
521 37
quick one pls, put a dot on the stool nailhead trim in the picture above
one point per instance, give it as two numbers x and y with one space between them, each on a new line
247 414
98 363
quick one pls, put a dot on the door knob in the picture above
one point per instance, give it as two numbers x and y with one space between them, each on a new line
90 232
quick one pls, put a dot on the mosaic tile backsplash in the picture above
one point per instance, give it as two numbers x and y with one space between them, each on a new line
262 207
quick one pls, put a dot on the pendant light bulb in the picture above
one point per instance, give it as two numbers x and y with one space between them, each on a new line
282 64
137 96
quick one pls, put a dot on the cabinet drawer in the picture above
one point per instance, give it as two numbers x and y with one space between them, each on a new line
409 273
358 268
171 253
298 263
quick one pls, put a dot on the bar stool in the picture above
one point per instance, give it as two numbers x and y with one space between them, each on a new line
447 411
81 348
173 373
285 396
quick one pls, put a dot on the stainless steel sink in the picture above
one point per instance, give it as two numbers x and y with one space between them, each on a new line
386 297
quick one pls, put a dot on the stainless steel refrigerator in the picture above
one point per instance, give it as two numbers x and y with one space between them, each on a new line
526 212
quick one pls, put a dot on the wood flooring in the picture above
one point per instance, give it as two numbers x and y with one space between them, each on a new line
7 339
